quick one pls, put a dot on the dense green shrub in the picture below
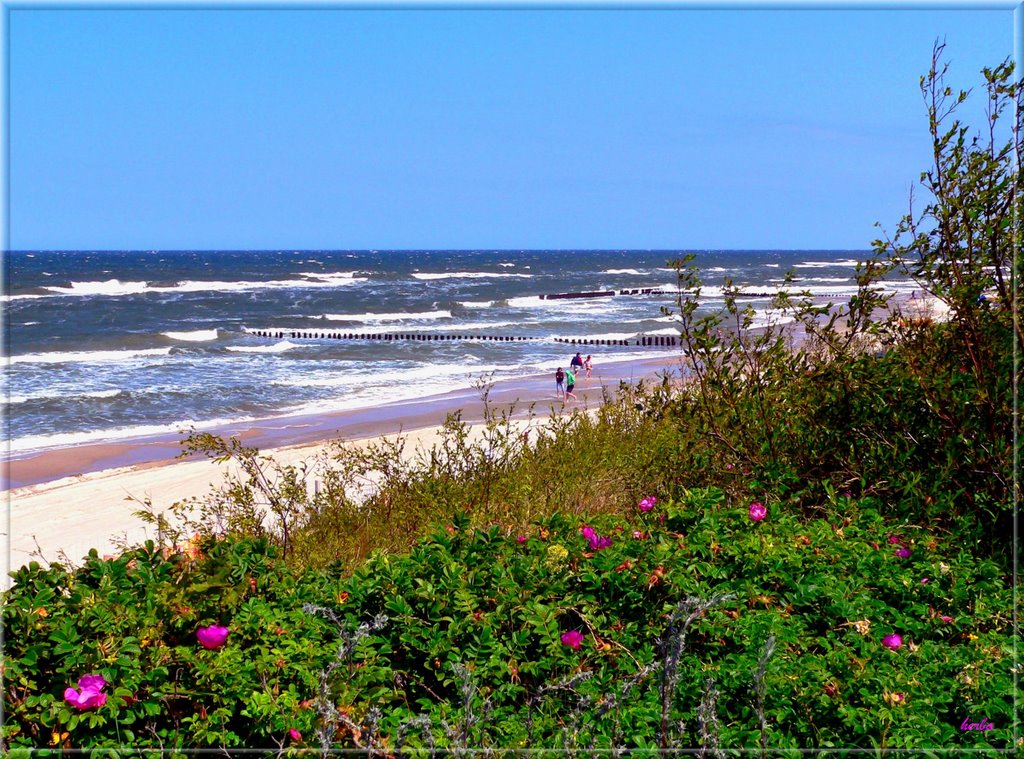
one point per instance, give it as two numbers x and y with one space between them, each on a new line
867 395
675 612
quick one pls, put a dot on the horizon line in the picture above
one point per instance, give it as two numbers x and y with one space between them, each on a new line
701 249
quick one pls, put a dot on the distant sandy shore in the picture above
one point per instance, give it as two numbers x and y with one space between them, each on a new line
70 500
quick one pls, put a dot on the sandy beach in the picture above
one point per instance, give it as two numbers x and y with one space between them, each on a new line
69 500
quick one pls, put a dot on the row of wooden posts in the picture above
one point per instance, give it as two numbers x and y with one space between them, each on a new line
603 293
667 341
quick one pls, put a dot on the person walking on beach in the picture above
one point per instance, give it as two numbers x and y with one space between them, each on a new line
570 383
560 383
589 366
576 364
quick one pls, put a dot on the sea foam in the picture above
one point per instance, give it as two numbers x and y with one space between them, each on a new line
196 336
114 287
398 316
466 275
63 396
65 439
279 347
61 357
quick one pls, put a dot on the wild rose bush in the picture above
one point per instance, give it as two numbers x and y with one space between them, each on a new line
548 642
136 621
803 549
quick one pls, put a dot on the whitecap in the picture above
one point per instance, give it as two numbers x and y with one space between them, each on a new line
58 357
466 275
328 276
388 317
274 284
62 396
196 336
471 325
114 287
531 301
380 329
823 264
346 381
597 336
279 347
28 296
107 287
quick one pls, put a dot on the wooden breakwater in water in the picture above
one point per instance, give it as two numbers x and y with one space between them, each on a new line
604 293
651 341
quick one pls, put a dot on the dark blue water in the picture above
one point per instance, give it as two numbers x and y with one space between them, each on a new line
104 345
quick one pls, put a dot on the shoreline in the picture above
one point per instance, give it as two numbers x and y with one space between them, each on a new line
76 499
47 465
70 500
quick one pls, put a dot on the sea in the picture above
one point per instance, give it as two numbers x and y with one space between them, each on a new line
113 345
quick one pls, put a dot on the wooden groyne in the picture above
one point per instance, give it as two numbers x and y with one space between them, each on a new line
603 293
643 291
652 341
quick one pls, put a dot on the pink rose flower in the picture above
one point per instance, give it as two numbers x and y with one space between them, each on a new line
758 511
946 619
894 539
924 580
520 539
596 541
212 637
902 553
294 734
648 503
90 693
95 682
892 642
573 639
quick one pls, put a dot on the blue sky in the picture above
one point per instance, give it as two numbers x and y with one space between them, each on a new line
480 128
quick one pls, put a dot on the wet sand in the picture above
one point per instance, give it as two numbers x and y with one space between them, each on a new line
22 470
70 500
73 499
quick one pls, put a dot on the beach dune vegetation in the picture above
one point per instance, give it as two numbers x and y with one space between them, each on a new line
806 544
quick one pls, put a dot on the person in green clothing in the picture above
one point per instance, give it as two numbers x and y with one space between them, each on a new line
570 383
